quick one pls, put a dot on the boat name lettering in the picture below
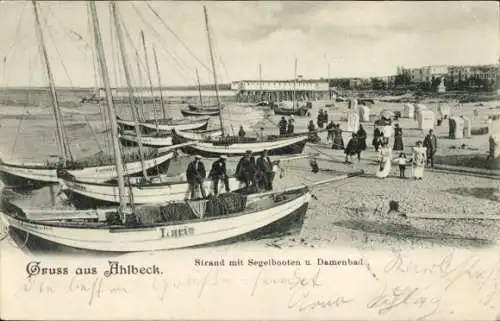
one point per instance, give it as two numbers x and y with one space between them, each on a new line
177 232
106 169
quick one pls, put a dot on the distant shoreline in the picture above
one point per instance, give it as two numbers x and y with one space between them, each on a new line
93 89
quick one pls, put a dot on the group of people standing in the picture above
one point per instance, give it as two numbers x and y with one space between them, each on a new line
196 174
356 145
256 174
286 127
322 118
422 154
335 135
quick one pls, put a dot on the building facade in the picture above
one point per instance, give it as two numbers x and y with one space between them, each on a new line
278 90
473 76
455 77
423 74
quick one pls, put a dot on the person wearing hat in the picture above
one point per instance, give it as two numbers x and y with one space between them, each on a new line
195 175
241 132
246 170
430 143
265 170
219 173
291 126
320 118
282 125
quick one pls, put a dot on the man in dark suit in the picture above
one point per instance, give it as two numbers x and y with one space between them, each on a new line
265 168
195 175
219 173
283 126
246 170
430 142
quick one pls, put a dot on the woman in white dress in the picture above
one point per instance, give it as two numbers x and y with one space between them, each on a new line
384 160
419 159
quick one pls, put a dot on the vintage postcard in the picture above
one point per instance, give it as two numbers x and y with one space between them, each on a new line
256 160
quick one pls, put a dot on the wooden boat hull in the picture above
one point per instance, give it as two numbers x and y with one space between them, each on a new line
187 112
85 195
280 146
29 176
167 125
164 140
289 111
147 140
204 107
282 217
192 135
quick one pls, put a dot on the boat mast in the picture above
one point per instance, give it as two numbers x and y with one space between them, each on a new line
199 87
138 135
295 84
213 68
148 71
61 138
139 71
111 107
159 82
260 77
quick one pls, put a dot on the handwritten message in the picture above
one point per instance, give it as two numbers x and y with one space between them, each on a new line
394 286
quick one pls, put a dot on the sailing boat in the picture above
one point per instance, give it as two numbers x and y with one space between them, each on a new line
201 106
23 175
287 108
154 190
158 138
226 218
165 124
237 146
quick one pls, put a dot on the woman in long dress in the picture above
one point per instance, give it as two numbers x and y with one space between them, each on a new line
361 133
376 138
384 161
419 159
351 148
331 131
338 141
398 138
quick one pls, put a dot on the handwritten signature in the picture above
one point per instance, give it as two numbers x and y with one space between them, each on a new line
404 296
485 276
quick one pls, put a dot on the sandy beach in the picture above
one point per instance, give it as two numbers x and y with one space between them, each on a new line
352 212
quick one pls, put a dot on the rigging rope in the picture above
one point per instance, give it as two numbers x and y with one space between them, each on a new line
155 32
218 57
175 35
179 65
30 77
12 47
103 115
16 35
63 126
97 86
141 85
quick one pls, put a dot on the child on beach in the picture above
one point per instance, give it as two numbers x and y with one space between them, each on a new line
402 164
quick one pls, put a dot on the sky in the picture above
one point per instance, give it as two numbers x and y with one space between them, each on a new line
355 39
